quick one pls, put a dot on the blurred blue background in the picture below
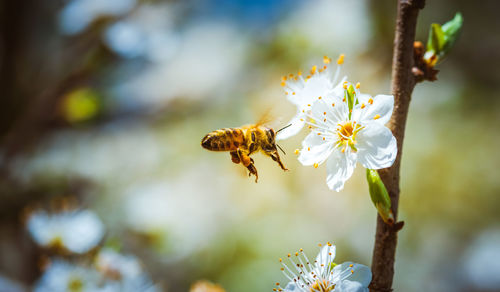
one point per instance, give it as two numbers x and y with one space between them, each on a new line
106 102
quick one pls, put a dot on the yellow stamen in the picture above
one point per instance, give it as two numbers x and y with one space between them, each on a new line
370 100
345 86
358 85
283 83
326 60
316 165
283 78
319 97
313 69
376 117
308 148
297 151
340 60
363 105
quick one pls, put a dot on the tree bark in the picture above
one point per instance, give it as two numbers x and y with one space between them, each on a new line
403 82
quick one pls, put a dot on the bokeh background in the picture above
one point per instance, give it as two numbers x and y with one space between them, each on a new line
105 103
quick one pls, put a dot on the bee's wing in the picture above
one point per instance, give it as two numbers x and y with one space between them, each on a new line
267 118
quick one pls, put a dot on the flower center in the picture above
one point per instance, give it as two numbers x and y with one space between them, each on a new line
347 135
322 286
346 130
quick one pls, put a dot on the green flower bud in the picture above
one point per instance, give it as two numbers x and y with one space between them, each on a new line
379 196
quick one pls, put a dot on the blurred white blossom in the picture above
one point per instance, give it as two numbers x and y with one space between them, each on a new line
76 231
79 14
62 276
123 272
481 261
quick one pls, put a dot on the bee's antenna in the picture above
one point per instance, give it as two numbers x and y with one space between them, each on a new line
281 149
283 129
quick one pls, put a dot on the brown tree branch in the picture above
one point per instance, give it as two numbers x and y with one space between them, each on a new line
403 82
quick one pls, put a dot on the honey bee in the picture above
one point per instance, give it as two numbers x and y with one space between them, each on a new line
242 142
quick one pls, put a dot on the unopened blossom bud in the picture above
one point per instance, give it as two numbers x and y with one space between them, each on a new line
379 195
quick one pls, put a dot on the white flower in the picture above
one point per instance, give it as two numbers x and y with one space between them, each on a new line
323 275
76 231
62 276
303 92
123 272
342 137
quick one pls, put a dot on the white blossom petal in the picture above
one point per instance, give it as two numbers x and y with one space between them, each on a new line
339 168
325 257
291 287
330 108
380 110
297 123
353 272
315 150
351 286
377 147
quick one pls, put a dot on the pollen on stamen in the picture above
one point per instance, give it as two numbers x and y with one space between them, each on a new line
289 255
308 104
363 105
297 151
340 60
350 266
376 117
324 113
319 97
290 75
343 99
324 120
326 60
324 67
293 93
319 134
316 165
286 92
283 78
313 69
333 104
352 271
283 83
358 85
345 85
324 139
370 100
308 148
299 73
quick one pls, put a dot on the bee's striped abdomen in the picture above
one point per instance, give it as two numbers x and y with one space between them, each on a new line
227 139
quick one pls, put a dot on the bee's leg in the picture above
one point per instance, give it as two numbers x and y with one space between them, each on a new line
248 163
235 157
275 156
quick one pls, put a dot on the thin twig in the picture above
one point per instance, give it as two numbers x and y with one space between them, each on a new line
403 82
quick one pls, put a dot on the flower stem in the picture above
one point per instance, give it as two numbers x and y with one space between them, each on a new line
403 82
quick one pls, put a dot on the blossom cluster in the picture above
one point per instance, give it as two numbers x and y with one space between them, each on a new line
346 125
73 237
